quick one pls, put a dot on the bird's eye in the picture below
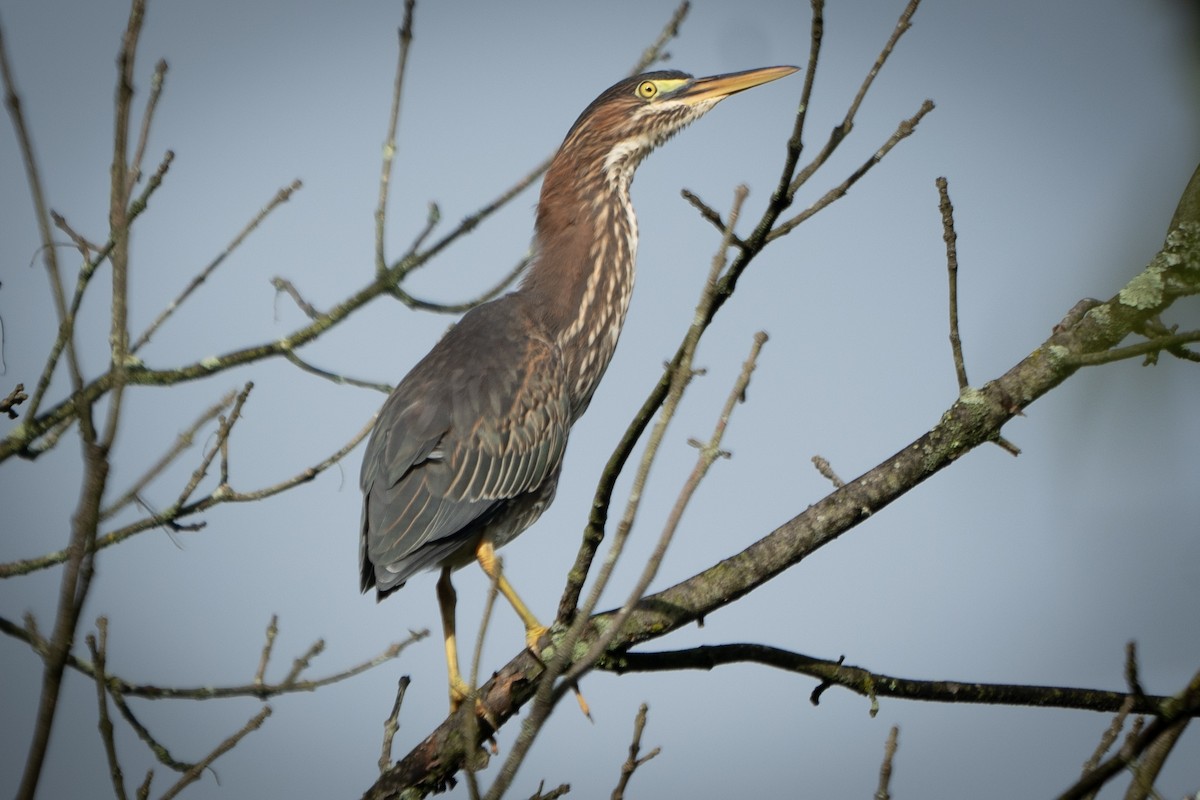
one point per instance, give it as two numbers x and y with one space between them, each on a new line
647 89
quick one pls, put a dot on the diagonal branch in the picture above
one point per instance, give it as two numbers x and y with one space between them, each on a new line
975 418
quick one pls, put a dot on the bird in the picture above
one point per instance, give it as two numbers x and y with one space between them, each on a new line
467 449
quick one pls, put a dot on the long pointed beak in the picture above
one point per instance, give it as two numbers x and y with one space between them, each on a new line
721 86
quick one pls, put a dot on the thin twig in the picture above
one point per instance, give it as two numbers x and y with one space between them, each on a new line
281 197
13 399
432 218
1109 737
826 469
40 645
392 724
156 87
950 237
192 775
1183 706
1153 759
1170 343
885 768
66 327
223 493
709 213
85 247
842 130
657 51
284 286
558 791
182 442
98 646
1131 669
905 129
304 661
161 753
633 761
341 380
494 291
709 453
389 145
268 644
223 431
12 101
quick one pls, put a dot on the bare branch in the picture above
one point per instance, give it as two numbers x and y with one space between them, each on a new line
281 197
709 453
905 129
950 237
156 86
496 290
1172 343
342 380
633 761
13 399
392 724
66 327
182 442
843 130
558 791
192 775
284 286
826 469
224 493
389 145
268 645
12 101
657 51
885 769
262 691
85 247
97 647
304 661
1161 732
973 419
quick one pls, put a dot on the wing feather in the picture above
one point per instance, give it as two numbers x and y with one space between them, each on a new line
480 422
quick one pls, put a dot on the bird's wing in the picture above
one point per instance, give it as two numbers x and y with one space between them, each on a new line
479 421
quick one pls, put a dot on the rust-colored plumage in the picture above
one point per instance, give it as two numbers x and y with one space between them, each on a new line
468 447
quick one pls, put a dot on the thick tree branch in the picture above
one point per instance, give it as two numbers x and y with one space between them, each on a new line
975 418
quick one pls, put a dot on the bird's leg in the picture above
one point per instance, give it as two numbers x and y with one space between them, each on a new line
485 553
447 598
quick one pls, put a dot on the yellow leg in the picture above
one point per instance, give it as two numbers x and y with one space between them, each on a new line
534 630
447 598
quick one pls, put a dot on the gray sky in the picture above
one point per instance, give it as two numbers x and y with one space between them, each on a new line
1067 131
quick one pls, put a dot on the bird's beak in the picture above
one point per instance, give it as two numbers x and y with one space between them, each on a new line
718 87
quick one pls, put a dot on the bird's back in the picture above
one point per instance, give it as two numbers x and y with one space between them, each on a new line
470 441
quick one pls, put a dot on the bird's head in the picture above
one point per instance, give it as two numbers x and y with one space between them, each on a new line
634 116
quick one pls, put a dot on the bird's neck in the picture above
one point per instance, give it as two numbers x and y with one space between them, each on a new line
583 269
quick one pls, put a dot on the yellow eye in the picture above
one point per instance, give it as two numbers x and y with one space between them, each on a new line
647 89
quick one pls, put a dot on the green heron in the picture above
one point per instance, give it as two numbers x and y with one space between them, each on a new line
467 449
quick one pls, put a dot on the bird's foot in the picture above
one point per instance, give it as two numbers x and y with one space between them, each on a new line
534 634
460 692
